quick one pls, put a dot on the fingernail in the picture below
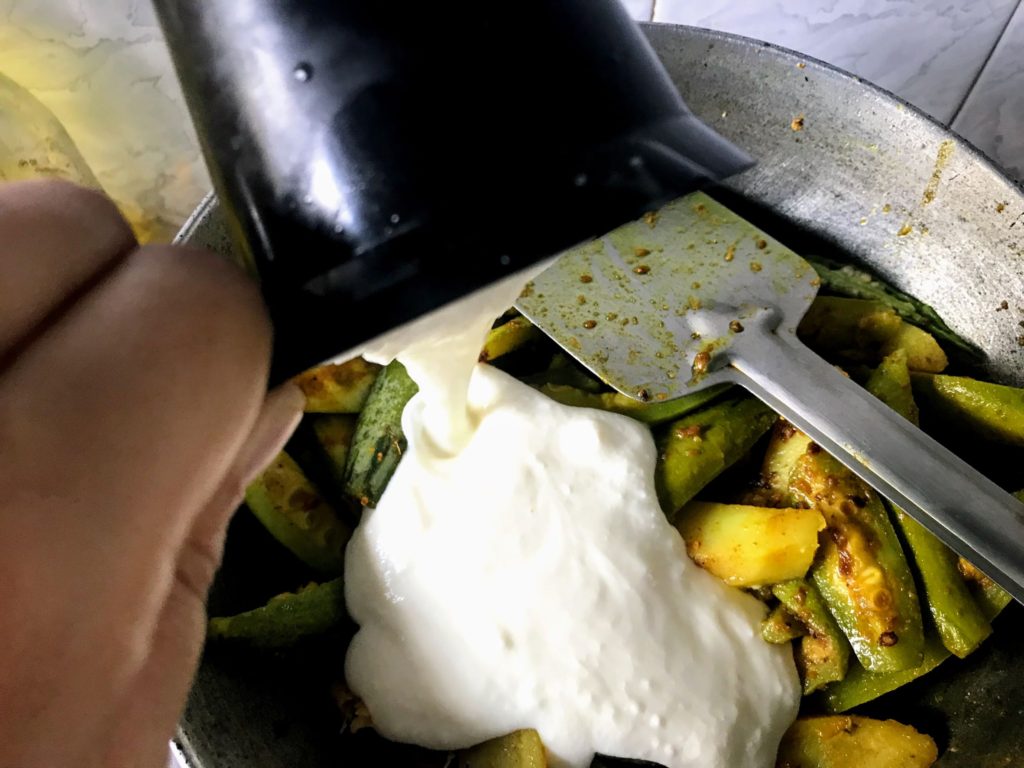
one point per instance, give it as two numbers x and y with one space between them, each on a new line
282 411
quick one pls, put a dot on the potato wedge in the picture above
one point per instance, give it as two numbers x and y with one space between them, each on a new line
845 741
866 331
749 546
922 350
847 326
519 749
337 387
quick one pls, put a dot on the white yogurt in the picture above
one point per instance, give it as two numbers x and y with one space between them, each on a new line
519 573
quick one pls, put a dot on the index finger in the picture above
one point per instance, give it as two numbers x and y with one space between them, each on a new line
55 239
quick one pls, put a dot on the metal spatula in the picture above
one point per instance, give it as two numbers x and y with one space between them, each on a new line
693 296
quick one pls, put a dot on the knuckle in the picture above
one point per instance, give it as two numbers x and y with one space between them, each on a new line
213 303
196 567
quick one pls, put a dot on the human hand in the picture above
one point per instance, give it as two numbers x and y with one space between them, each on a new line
133 412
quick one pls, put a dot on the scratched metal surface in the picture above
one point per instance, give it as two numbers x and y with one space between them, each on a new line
844 168
642 304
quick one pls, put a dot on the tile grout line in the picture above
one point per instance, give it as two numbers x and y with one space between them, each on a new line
984 65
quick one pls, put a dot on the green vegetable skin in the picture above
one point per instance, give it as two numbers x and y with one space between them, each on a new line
780 626
696 448
860 571
860 686
519 749
334 433
959 621
855 283
990 410
379 442
785 448
648 413
286 618
823 653
293 511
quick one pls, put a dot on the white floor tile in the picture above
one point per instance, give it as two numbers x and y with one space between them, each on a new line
641 10
927 51
993 114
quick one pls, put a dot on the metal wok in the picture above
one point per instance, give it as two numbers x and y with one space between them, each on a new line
844 168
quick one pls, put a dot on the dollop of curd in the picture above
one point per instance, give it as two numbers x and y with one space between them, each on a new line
519 573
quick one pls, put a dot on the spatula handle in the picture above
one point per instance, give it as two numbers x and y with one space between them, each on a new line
965 509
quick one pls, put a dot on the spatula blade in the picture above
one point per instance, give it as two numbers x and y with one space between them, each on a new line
651 307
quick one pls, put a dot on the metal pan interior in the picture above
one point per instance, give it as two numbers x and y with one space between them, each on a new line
844 168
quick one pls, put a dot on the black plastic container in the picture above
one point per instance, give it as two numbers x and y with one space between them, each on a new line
380 159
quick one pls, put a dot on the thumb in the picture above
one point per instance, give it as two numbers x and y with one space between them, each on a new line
201 553
153 704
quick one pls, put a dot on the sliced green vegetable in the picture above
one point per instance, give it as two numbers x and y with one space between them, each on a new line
564 371
890 383
780 626
990 410
865 332
696 448
334 433
861 686
823 653
860 570
292 509
844 741
956 616
747 546
519 749
786 446
991 598
285 619
338 387
648 413
379 441
508 337
856 283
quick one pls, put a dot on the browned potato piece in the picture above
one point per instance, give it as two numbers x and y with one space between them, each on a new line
337 387
922 350
847 741
865 331
519 749
748 546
